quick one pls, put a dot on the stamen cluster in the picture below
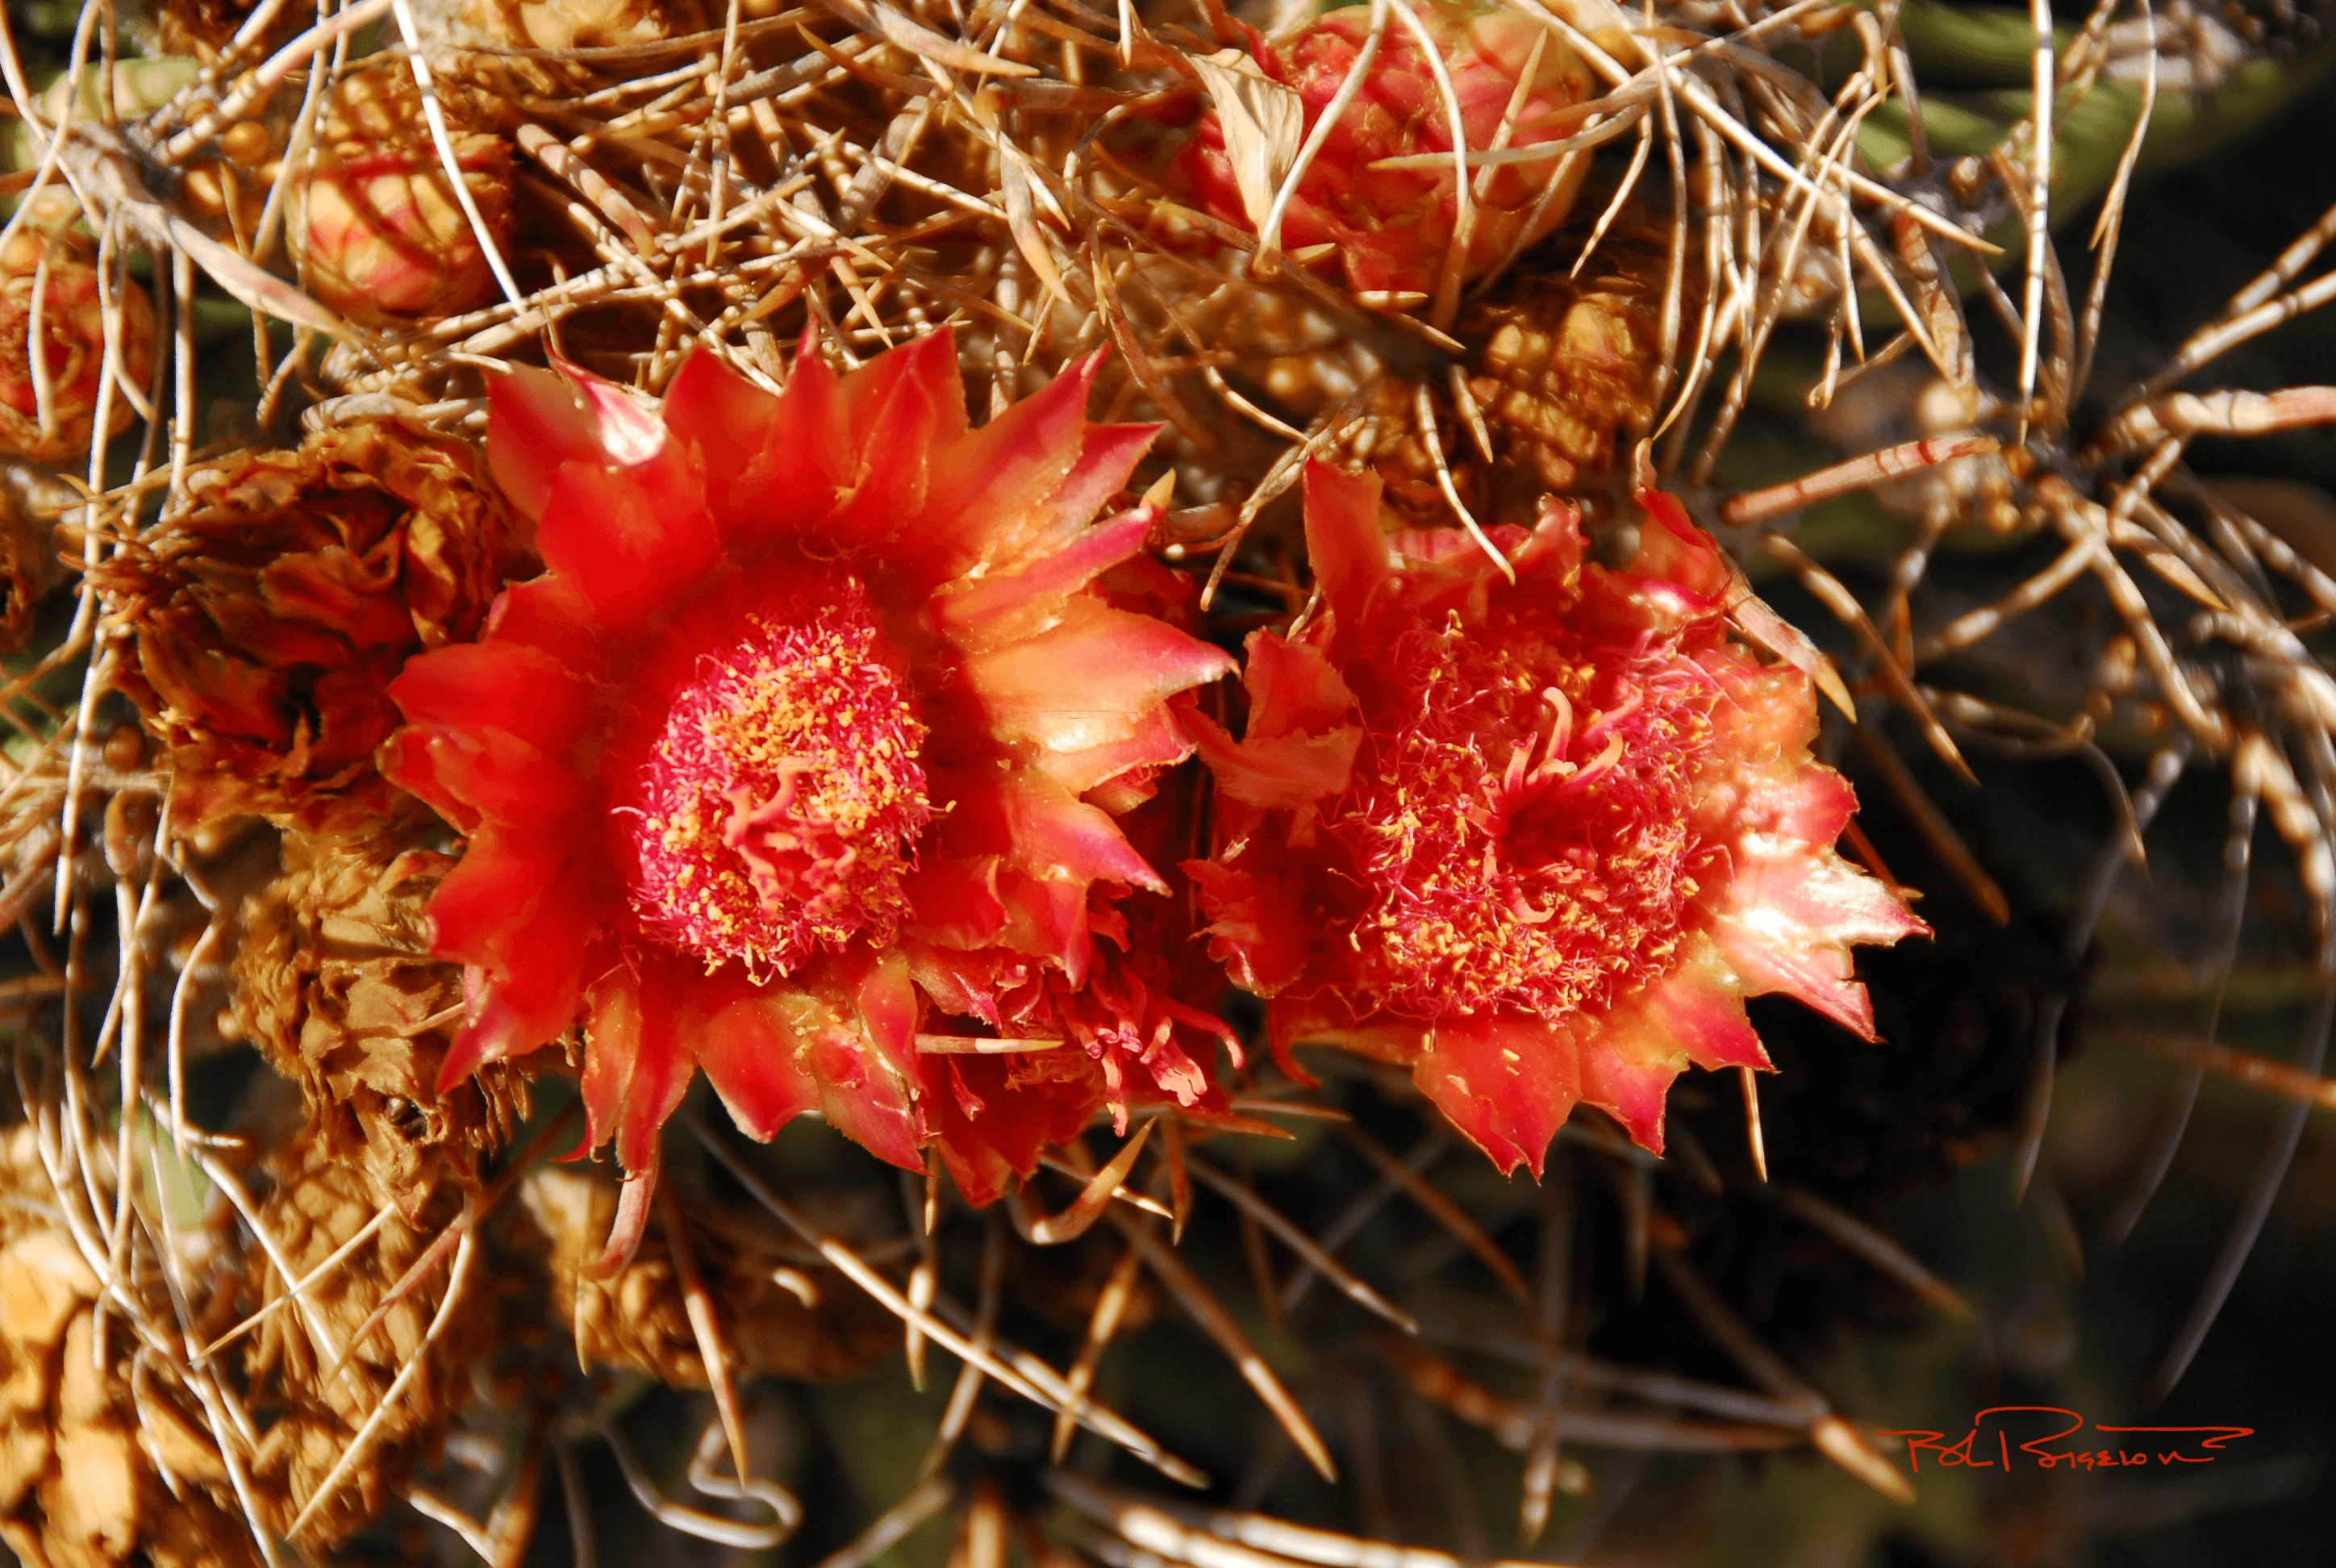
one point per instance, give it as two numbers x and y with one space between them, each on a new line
1523 833
775 813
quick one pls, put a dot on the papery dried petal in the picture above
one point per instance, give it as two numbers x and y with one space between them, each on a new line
86 1431
320 1204
638 1319
273 615
334 984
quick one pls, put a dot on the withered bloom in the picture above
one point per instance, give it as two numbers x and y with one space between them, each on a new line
779 1310
29 566
272 616
83 1452
334 983
557 25
602 24
314 1385
1563 368
203 28
1534 838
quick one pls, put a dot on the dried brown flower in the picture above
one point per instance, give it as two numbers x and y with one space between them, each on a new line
201 29
605 23
780 1310
310 1409
85 1441
1565 367
334 982
561 24
1560 377
272 616
528 47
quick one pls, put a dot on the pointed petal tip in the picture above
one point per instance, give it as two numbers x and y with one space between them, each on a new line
534 423
1343 538
1088 369
631 1222
1505 1154
1851 1006
702 364
464 1056
933 354
1505 1082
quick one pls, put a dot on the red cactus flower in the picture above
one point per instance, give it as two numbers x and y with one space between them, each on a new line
788 766
1535 839
1393 226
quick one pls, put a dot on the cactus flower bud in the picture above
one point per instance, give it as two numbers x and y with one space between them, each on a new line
1515 84
52 346
377 232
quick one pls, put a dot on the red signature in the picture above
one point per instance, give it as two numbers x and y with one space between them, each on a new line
2062 1439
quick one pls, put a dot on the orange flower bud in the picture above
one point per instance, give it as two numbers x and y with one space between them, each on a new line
1513 87
52 347
378 232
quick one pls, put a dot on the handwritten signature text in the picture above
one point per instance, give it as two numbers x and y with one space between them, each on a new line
2050 1438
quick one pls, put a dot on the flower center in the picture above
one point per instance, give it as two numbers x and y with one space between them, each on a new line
1524 835
777 809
